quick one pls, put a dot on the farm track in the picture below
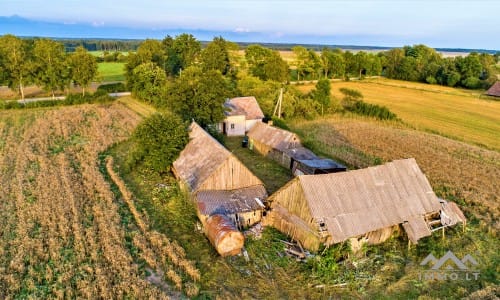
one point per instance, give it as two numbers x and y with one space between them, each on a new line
61 233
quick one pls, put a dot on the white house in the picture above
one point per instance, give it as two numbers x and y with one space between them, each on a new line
241 115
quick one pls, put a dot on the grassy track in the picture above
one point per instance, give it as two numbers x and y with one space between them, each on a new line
454 113
111 71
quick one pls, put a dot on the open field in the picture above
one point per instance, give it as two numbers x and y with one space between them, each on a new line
111 71
455 113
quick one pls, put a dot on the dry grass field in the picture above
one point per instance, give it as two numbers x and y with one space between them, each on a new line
454 113
64 233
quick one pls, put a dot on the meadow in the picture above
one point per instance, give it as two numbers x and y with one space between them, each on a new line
111 71
459 114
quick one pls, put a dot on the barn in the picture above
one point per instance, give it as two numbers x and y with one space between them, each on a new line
227 196
365 205
242 113
494 90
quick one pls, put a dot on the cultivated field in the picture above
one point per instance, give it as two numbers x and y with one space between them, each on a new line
455 113
64 233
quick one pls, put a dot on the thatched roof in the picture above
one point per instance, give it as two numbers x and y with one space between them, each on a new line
247 106
211 202
274 137
494 90
353 203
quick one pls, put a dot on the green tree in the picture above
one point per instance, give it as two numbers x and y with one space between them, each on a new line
322 94
149 51
51 70
15 63
266 64
149 83
83 67
216 56
157 141
199 95
182 52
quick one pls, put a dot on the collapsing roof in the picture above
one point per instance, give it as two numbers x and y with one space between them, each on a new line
273 137
311 160
494 90
247 106
350 204
248 199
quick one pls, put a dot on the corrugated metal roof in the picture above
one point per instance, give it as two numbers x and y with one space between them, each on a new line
230 202
416 228
200 158
357 202
300 153
322 163
275 138
247 106
494 90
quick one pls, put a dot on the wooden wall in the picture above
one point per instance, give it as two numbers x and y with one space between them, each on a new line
232 174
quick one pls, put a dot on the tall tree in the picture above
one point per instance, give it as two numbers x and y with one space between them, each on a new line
266 63
216 56
182 52
148 83
322 93
15 63
148 51
51 71
83 67
199 95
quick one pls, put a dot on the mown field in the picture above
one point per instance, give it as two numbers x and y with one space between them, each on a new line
111 71
459 114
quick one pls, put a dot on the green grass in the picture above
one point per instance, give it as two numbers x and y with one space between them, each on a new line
272 174
111 71
101 53
455 113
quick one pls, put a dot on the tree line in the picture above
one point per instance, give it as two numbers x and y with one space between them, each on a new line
44 62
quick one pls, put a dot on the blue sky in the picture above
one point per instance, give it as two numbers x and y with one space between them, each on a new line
437 23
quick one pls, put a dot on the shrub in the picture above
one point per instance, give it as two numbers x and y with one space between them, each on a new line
117 87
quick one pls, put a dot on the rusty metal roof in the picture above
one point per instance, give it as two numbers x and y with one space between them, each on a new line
200 158
247 106
212 202
494 90
357 202
274 137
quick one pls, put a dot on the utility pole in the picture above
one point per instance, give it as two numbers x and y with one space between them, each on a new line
278 104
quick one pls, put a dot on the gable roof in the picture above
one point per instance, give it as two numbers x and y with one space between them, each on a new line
360 201
210 202
494 90
200 158
274 137
247 106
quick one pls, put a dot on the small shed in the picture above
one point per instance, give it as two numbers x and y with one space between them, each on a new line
242 113
365 205
303 161
273 142
494 90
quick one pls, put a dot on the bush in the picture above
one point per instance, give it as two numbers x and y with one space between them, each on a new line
72 99
117 87
157 141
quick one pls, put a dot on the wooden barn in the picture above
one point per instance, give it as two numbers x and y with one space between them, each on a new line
241 115
273 142
494 90
224 191
362 206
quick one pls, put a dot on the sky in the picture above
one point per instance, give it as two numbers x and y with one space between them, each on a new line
437 23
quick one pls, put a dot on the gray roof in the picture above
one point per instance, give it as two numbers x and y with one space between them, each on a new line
360 201
212 202
322 163
494 90
200 158
247 106
300 153
274 137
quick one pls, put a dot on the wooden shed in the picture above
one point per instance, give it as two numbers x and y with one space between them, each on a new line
273 142
365 205
242 113
227 196
494 90
303 161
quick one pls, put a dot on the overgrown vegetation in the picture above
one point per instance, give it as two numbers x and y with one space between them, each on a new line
72 99
353 101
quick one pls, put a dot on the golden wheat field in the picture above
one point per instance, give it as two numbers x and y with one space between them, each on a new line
63 232
453 168
456 113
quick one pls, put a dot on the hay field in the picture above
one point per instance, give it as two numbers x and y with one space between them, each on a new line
450 112
64 231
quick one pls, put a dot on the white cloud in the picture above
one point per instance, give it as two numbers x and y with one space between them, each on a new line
241 30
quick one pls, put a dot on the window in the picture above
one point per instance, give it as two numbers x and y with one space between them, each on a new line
232 126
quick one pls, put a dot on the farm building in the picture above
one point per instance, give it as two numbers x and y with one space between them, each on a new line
227 196
241 115
365 205
494 90
284 147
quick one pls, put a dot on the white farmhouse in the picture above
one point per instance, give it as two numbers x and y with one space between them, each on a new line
241 115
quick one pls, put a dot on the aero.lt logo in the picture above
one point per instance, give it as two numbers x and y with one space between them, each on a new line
449 266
